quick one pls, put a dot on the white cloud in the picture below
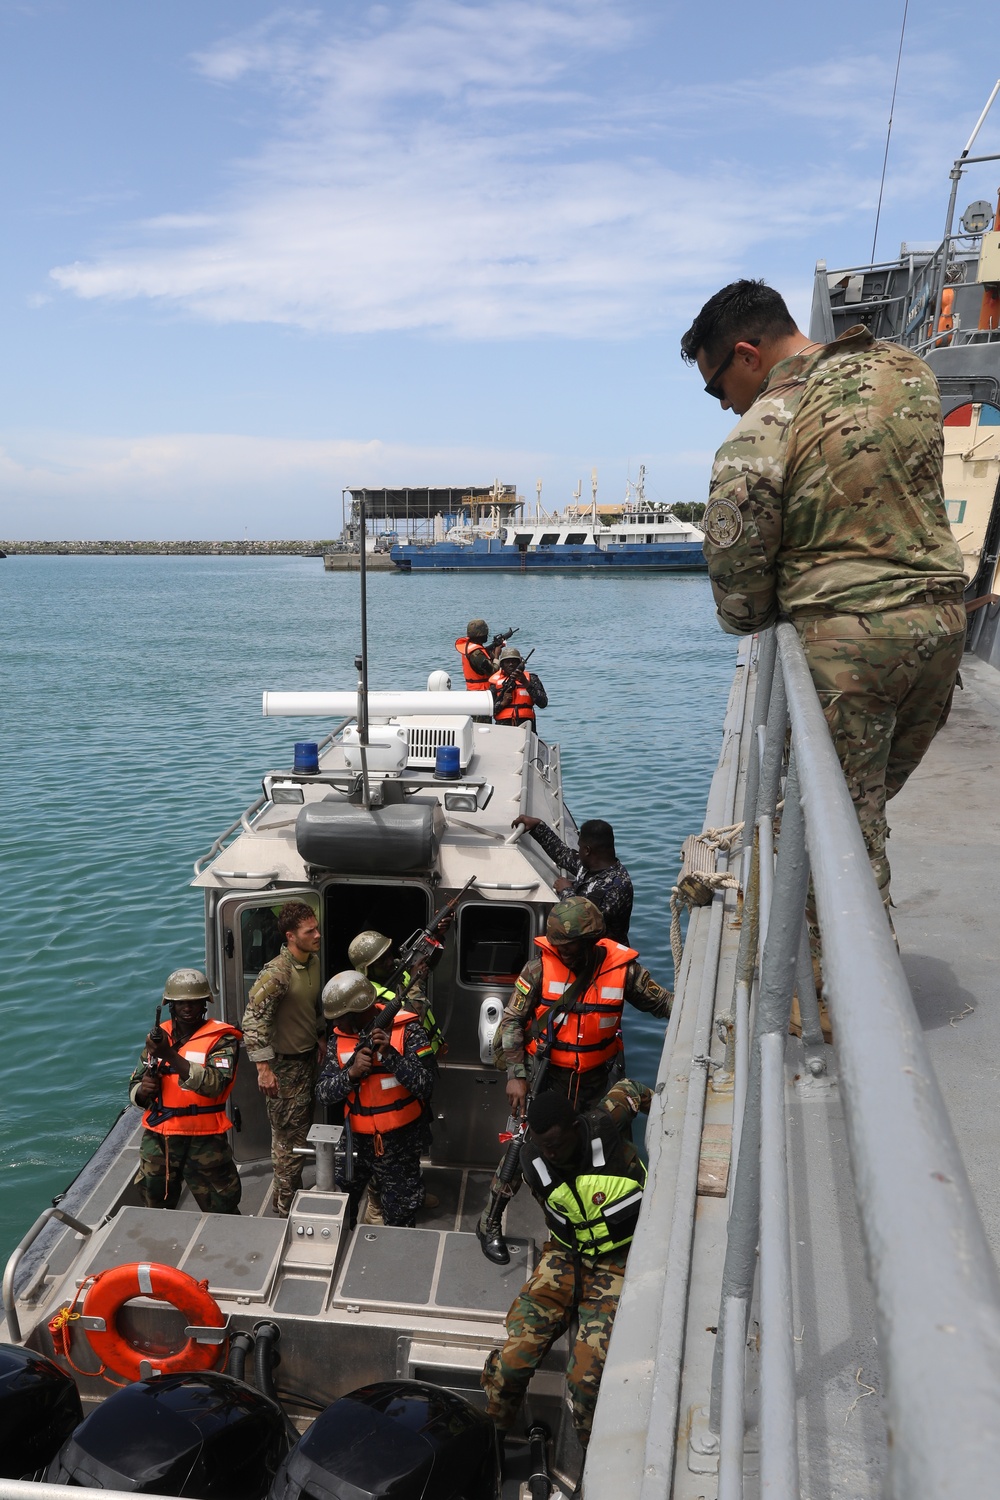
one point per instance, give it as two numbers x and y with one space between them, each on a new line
442 168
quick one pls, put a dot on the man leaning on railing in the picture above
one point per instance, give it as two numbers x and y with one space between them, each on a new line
826 508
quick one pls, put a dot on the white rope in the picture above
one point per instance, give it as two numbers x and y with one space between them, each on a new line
690 897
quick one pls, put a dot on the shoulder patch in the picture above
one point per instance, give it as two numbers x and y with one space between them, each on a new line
522 985
722 523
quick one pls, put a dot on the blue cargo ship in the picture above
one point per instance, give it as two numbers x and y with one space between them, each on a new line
637 538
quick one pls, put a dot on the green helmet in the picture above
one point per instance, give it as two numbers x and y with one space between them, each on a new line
366 948
510 653
574 918
345 992
187 984
477 630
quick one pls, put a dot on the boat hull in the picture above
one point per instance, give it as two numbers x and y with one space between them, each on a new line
678 557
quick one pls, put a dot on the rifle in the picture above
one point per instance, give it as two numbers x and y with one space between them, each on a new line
422 945
502 638
156 1065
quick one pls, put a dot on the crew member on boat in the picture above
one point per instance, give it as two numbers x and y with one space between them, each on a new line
826 508
182 1082
285 1035
383 1079
516 691
561 1028
371 954
478 660
595 871
588 1178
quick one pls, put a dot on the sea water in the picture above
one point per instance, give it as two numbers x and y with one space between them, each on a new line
132 735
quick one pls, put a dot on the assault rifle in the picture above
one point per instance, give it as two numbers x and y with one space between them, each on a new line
505 693
423 946
156 1065
501 639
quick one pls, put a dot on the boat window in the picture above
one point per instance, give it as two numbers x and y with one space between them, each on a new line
395 910
522 539
575 538
260 940
549 538
494 942
623 537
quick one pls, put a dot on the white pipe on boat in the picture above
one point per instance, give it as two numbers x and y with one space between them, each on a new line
380 705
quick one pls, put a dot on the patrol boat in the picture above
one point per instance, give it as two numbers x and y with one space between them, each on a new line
406 803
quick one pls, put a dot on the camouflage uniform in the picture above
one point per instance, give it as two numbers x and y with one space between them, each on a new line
282 1025
826 508
583 1089
564 1285
204 1163
396 1167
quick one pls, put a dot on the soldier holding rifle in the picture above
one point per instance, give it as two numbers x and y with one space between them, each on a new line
479 653
516 691
383 1077
183 1081
565 1017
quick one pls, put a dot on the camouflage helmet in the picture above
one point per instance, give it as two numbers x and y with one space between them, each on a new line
187 984
366 948
346 992
510 653
477 630
574 918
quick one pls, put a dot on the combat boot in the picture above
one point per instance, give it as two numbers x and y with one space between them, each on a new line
490 1237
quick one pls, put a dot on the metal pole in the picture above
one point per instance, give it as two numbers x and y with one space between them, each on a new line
766 655
363 683
770 779
955 174
937 1294
733 1423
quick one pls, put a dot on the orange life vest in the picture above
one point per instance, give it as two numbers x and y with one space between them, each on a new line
174 1113
379 1103
519 709
589 1034
474 680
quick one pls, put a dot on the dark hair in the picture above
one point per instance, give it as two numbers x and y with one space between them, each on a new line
743 310
598 834
292 915
548 1110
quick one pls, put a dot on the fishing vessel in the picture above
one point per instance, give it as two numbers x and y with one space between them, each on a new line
637 535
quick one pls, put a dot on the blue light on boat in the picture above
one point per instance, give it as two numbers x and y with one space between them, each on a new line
306 757
447 766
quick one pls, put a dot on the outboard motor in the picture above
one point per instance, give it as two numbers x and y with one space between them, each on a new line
402 1439
39 1407
204 1435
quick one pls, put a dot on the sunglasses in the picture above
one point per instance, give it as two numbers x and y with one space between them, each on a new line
712 388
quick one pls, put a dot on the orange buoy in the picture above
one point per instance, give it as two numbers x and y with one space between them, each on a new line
109 1292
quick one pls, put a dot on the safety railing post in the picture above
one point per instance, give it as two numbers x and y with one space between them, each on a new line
741 1244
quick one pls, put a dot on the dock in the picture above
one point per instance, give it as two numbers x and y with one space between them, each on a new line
350 562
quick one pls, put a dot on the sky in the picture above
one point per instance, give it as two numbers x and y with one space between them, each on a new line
253 254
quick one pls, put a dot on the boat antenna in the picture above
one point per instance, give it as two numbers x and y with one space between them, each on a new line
361 662
888 133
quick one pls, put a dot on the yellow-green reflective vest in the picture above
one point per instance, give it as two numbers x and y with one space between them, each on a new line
596 1211
429 1022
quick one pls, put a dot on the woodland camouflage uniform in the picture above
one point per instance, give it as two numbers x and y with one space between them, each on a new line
565 1285
204 1163
826 508
288 1043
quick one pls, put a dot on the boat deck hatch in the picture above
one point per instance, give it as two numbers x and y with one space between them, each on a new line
437 1270
237 1256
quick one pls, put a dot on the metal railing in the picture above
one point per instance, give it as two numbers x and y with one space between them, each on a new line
935 1284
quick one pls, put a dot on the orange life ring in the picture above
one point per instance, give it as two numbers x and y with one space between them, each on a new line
109 1292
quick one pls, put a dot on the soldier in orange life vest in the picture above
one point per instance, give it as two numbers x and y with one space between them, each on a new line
516 691
183 1082
383 1080
477 659
567 1004
566 1009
